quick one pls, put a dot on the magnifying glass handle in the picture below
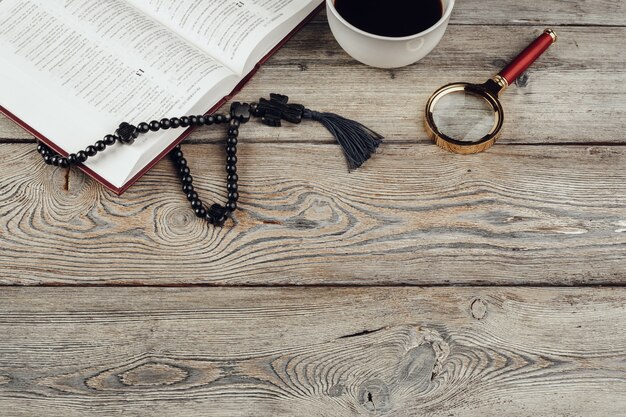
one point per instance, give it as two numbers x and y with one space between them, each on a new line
528 56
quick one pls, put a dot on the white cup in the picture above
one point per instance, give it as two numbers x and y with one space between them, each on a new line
384 51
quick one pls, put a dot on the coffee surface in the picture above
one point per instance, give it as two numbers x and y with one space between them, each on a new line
393 18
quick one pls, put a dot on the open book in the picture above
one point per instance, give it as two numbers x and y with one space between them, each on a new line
72 70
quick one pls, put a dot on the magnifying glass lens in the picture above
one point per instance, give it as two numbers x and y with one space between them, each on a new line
464 116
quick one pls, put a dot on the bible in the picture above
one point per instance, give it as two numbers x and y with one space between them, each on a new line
72 70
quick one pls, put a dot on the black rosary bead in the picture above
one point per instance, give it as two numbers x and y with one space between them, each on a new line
219 118
233 131
187 179
143 127
231 169
240 111
72 159
200 120
109 140
100 145
200 212
187 188
176 155
209 120
184 170
47 159
63 162
234 196
174 122
184 121
231 150
227 117
42 149
91 150
232 141
231 159
127 133
232 178
165 124
81 156
155 126
54 160
231 186
182 162
217 214
193 121
192 196
231 206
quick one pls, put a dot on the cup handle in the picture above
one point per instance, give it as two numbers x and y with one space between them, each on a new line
415 44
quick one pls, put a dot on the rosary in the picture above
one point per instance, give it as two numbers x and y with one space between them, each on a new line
357 141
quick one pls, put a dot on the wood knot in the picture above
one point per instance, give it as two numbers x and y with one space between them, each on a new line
374 396
522 80
499 63
179 218
153 374
4 379
479 309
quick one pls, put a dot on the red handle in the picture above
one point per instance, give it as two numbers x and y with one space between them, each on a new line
528 56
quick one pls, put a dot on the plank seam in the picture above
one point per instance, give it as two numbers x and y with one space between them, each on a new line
607 285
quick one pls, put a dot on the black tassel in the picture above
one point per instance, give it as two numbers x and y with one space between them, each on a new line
357 141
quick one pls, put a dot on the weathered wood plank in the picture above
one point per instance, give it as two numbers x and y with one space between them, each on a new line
550 12
575 93
313 352
414 214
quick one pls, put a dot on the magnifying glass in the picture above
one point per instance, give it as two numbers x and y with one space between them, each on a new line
467 118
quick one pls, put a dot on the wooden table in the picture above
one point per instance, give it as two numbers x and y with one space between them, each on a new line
424 284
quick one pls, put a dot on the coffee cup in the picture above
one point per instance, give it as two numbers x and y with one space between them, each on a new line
386 51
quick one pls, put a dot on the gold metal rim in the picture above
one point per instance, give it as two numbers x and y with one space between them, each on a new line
552 33
451 144
501 81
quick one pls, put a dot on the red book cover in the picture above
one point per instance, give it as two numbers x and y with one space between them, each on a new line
120 190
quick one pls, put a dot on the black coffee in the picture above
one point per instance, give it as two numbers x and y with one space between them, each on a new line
394 18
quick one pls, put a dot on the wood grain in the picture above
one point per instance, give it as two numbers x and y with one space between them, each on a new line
414 214
550 12
313 352
573 94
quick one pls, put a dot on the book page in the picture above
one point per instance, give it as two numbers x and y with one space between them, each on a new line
75 69
233 31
